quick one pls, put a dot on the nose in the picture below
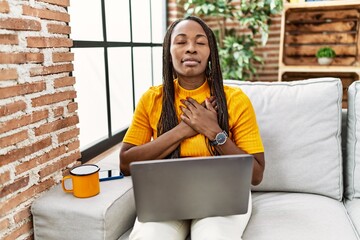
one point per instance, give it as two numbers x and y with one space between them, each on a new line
191 48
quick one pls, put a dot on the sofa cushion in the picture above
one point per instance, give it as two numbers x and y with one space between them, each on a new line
353 208
352 165
298 216
284 216
59 215
300 125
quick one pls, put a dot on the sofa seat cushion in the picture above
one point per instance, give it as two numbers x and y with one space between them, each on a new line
59 215
352 165
284 216
353 208
300 125
296 216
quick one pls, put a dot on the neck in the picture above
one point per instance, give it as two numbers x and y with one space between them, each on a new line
191 83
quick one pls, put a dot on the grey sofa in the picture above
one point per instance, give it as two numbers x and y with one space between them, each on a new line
311 186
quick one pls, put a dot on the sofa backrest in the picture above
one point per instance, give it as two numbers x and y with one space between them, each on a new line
352 165
300 125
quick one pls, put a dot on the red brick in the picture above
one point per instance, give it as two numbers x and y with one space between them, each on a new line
73 145
15 123
53 98
10 204
21 89
9 39
12 58
66 171
13 139
58 111
34 57
4 7
12 108
20 24
72 107
8 74
46 157
22 214
64 82
20 230
14 187
4 224
56 125
62 163
62 137
63 3
57 28
43 42
51 69
4 177
46 14
63 57
25 151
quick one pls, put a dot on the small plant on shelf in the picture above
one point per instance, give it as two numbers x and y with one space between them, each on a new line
325 55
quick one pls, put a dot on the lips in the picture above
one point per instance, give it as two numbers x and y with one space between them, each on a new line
190 61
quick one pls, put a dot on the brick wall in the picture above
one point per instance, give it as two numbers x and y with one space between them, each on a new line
38 133
269 52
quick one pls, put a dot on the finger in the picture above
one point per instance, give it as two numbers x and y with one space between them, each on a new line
212 98
185 119
188 104
185 111
209 105
193 102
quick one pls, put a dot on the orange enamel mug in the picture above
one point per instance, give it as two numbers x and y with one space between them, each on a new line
85 181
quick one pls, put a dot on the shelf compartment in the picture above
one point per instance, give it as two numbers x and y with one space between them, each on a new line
346 79
306 30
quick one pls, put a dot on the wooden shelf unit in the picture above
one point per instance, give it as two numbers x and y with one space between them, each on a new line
308 26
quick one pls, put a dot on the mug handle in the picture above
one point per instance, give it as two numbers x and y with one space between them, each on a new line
63 184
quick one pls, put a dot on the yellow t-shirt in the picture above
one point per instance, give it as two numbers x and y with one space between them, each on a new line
243 127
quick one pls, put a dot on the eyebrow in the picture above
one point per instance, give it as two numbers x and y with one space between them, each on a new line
197 35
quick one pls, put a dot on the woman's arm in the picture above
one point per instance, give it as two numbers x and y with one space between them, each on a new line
160 147
156 149
204 121
230 148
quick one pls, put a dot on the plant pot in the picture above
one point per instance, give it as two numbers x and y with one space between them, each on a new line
325 61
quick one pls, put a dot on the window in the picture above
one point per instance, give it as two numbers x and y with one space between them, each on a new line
118 56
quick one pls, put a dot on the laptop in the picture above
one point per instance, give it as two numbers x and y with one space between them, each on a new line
191 188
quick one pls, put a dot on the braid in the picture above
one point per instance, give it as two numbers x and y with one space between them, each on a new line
168 117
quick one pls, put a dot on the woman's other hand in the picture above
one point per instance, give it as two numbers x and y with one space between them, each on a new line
203 119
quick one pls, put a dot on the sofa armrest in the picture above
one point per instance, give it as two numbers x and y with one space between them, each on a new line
59 215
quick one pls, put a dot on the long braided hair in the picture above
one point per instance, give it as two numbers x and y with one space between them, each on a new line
168 117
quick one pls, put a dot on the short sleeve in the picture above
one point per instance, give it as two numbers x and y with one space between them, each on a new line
244 128
139 131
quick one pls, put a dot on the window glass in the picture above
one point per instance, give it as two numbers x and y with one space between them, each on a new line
158 19
140 15
117 20
157 65
86 21
121 94
142 70
90 82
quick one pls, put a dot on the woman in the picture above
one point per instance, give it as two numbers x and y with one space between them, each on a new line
192 114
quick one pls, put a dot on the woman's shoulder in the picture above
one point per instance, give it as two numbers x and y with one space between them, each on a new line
233 93
153 92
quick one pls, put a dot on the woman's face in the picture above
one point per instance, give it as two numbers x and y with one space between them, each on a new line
189 49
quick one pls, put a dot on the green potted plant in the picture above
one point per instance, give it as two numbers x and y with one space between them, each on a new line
325 55
237 25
